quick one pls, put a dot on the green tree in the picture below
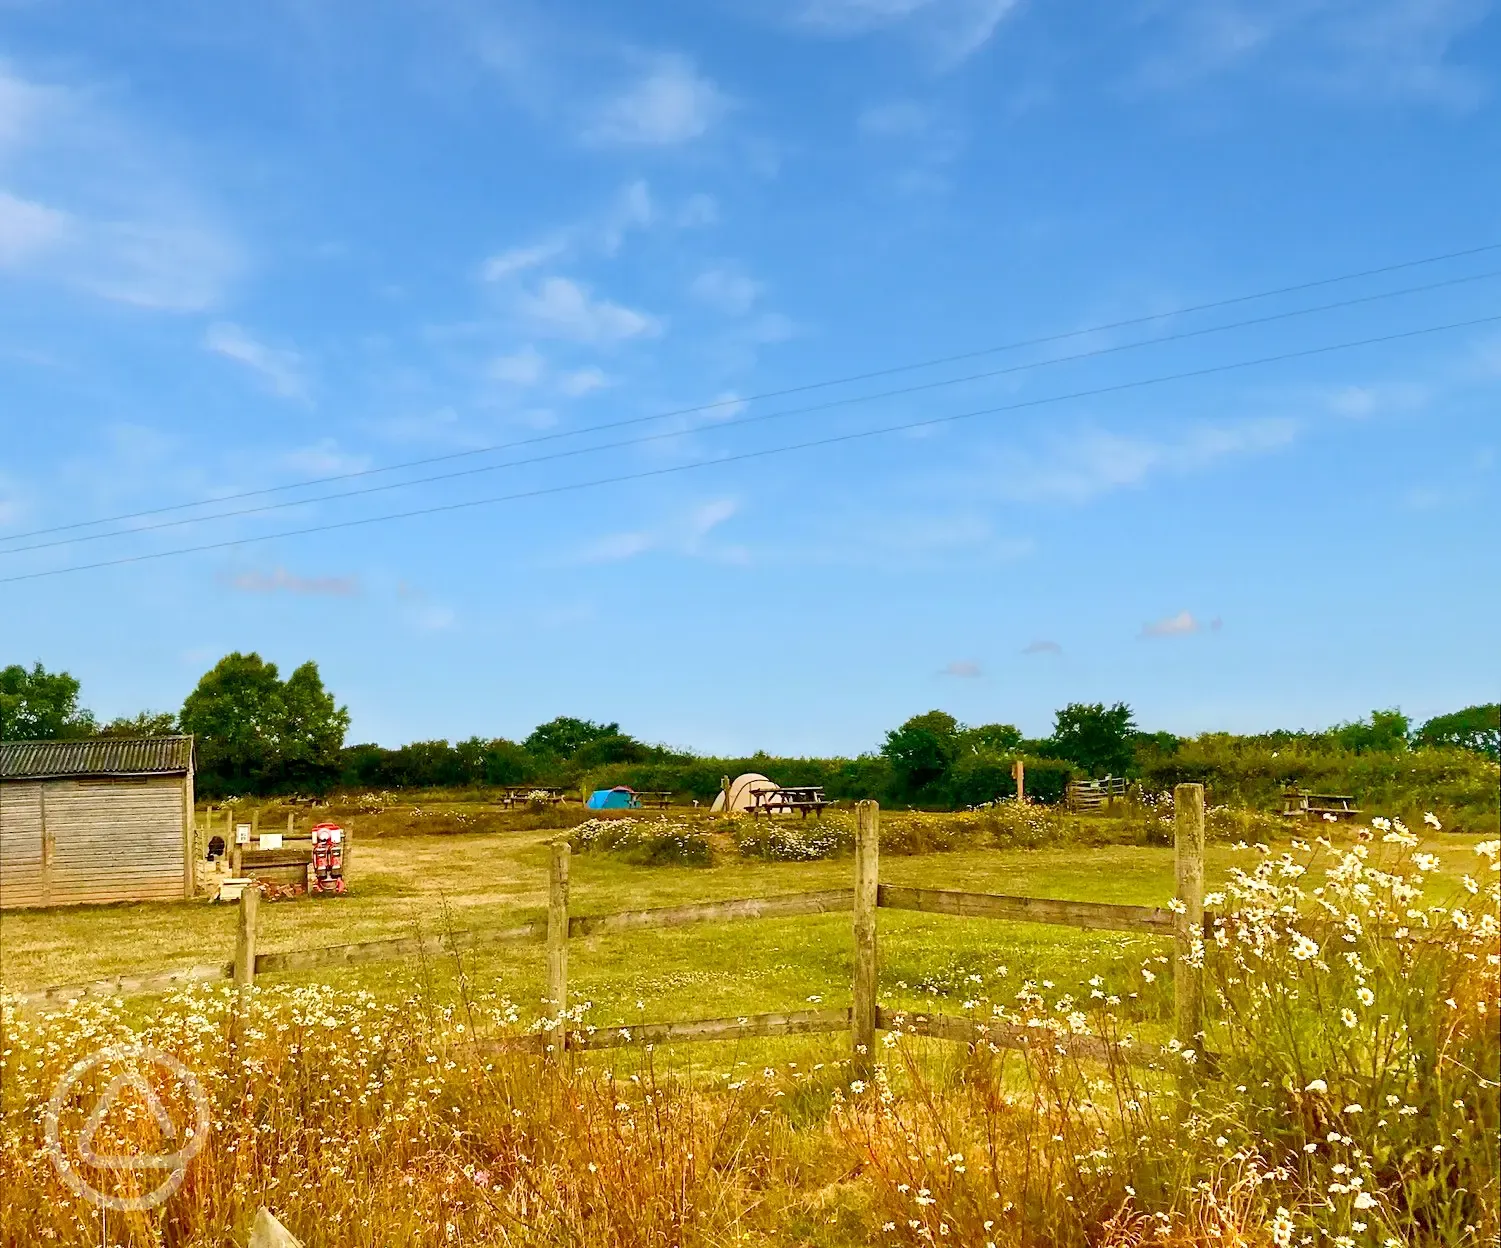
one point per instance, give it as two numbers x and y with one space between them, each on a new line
990 738
1384 732
1098 739
310 733
922 750
564 736
146 724
1476 728
256 733
39 705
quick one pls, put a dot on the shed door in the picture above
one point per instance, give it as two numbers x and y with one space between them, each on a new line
20 845
115 840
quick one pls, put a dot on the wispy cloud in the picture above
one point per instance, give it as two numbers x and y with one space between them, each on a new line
726 290
582 381
1042 647
671 103
964 669
687 535
1181 625
324 458
953 30
280 581
92 204
520 368
515 260
1095 462
1376 49
278 369
564 308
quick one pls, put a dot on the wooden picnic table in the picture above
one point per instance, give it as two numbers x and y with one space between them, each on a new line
520 795
1297 804
801 798
658 798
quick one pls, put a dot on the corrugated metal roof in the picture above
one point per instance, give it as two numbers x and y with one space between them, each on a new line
100 756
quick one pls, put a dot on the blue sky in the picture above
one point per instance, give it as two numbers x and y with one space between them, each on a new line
245 246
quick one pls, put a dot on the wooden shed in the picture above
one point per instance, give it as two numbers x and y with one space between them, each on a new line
109 819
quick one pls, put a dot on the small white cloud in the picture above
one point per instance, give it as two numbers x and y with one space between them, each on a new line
1042 646
1180 625
582 381
896 119
699 209
27 229
633 209
279 370
673 103
521 368
725 290
566 309
324 459
709 516
434 618
964 669
505 264
280 581
953 29
615 547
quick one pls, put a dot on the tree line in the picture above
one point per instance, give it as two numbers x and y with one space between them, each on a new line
258 733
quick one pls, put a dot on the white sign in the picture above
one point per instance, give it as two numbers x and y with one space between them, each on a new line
242 834
270 840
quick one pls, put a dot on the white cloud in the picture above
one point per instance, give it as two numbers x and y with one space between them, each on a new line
521 368
698 209
725 290
1393 49
1042 646
686 536
582 381
1095 462
518 259
566 309
279 370
27 228
903 119
672 103
1181 625
953 29
115 221
324 459
964 669
280 581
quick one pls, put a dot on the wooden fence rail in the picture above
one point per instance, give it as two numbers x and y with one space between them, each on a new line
862 1019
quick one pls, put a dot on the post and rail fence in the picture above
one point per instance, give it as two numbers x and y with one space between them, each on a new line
862 1019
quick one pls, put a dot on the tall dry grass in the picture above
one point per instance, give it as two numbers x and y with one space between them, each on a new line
1345 1092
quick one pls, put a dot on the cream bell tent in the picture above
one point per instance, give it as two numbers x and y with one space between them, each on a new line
740 792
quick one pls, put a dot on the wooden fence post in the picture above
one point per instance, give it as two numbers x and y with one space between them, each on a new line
250 899
867 873
557 944
1019 772
1188 855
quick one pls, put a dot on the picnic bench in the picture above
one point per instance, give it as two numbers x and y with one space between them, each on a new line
804 799
660 799
521 795
1298 804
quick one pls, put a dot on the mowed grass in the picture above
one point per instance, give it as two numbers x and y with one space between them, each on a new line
405 885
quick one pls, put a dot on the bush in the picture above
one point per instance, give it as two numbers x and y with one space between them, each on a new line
643 842
779 840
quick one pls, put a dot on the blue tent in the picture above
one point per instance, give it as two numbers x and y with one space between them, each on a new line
618 798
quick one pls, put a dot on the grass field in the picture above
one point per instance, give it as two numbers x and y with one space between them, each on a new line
412 872
1353 1098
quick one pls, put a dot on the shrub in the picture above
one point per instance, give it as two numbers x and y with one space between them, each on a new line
778 839
643 842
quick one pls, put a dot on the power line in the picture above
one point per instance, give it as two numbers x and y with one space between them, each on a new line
833 440
849 379
735 422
